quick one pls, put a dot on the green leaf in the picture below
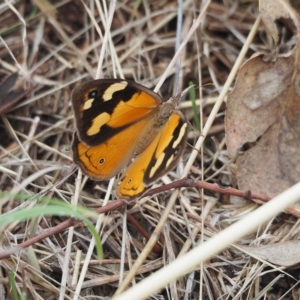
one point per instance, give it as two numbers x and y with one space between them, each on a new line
192 94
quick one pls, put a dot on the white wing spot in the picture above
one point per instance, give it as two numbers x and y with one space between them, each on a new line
88 104
115 87
180 136
157 164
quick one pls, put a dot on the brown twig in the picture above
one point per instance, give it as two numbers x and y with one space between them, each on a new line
117 204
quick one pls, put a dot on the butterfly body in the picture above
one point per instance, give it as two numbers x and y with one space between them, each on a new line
121 123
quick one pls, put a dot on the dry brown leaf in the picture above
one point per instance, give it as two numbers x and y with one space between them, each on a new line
284 254
264 109
263 113
274 10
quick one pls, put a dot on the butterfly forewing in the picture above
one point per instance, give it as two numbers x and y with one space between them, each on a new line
106 107
107 159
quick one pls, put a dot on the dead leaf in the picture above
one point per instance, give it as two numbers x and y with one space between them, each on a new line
274 10
284 254
263 111
263 114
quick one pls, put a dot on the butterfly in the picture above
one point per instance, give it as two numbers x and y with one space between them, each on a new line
124 125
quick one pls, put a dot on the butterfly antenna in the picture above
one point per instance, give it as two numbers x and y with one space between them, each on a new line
176 99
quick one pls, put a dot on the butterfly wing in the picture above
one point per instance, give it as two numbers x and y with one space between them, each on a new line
104 161
158 158
105 107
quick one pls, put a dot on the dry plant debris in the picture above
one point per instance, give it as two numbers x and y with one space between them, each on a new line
60 48
283 254
8 96
263 111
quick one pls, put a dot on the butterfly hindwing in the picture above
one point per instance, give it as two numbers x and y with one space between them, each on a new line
169 148
158 158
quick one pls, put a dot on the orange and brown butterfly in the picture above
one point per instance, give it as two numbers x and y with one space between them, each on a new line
123 124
